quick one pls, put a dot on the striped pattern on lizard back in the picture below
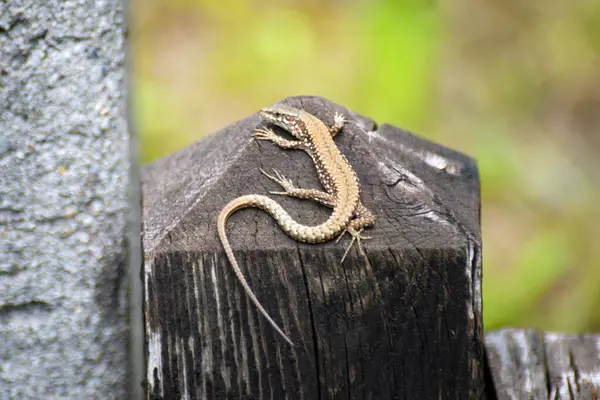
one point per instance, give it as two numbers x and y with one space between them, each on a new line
336 175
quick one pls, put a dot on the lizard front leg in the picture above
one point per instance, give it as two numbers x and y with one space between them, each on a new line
338 123
269 135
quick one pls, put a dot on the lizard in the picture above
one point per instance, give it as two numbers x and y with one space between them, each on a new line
342 189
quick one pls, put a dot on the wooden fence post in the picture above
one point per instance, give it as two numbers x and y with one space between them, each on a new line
403 320
65 203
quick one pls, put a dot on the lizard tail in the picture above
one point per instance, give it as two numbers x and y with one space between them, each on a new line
233 206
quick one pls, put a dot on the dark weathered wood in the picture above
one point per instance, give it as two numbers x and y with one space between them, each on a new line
526 364
402 322
64 204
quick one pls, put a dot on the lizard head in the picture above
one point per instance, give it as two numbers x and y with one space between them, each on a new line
288 118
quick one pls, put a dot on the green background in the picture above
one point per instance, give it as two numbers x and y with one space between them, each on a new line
514 84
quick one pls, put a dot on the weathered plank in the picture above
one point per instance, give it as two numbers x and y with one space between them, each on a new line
402 320
527 364
64 206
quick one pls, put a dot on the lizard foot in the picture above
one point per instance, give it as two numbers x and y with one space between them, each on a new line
356 237
339 119
265 134
282 181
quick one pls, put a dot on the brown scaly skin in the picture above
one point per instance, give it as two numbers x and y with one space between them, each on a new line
342 192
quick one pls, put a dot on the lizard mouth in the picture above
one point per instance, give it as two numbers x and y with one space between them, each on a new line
270 114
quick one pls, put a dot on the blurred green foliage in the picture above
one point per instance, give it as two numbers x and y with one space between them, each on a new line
514 84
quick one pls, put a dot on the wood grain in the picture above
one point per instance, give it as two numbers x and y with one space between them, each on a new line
527 364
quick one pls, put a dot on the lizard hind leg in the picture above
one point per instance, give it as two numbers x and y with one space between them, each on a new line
356 237
290 190
282 181
363 218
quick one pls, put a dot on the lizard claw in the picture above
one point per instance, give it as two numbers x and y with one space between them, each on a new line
265 174
341 236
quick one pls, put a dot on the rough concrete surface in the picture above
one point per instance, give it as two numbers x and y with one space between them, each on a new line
64 178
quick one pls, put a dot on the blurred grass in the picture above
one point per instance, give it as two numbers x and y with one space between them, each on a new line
515 85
